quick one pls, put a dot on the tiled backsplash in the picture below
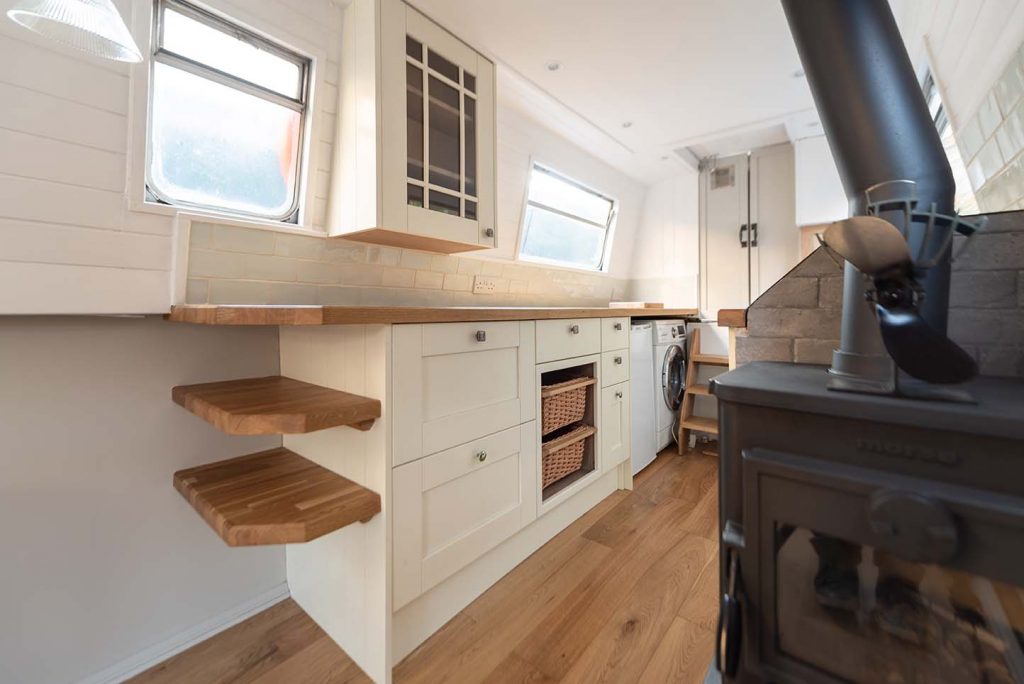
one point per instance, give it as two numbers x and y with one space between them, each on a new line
798 318
232 265
991 142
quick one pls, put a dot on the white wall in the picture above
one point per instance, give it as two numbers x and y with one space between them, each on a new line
820 197
71 140
102 558
666 261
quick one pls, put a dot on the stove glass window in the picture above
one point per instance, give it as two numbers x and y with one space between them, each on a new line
865 615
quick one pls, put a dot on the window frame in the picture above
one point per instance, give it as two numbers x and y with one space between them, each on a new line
161 55
609 227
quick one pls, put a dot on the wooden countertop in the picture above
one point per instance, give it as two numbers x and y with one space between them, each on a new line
212 314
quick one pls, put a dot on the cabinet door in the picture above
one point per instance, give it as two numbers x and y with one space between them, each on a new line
614 429
456 382
447 189
452 507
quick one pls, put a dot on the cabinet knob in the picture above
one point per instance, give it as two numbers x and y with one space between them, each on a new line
481 335
574 329
488 232
481 456
618 326
618 360
618 395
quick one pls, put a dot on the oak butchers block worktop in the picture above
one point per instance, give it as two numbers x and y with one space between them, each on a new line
413 472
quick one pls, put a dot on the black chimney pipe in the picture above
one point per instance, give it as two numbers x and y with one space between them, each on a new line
874 113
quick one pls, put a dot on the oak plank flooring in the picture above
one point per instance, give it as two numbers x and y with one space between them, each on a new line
627 593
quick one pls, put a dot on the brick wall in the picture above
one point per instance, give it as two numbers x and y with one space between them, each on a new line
798 318
231 265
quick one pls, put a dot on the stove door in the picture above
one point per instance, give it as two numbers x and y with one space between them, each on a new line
853 575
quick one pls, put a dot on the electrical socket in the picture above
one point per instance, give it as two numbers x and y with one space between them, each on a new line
484 285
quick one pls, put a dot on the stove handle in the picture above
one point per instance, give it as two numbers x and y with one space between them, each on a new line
730 622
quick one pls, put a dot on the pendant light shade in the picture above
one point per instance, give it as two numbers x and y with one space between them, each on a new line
94 26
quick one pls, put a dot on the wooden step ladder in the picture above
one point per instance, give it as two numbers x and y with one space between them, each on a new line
688 421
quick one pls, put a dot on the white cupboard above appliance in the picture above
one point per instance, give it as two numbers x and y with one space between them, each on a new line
415 163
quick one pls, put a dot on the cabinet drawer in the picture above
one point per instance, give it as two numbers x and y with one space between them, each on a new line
614 367
450 508
614 333
567 338
614 430
456 382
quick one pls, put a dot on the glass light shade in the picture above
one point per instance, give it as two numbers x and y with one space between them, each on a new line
93 26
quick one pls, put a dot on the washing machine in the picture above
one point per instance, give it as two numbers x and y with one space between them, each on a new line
669 341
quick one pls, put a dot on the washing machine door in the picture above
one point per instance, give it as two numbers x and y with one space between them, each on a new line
673 376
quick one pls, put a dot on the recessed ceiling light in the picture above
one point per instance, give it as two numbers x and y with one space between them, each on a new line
799 73
553 66
627 124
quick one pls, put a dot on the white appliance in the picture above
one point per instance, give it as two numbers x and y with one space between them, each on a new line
669 342
642 395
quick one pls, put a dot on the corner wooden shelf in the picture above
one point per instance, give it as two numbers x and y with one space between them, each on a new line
274 497
275 405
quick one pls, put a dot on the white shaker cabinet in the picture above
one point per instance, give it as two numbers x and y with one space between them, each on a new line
615 425
415 153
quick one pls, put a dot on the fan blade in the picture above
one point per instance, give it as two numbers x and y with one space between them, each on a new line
922 352
871 244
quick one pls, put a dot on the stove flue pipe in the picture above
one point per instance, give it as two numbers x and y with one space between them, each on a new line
879 129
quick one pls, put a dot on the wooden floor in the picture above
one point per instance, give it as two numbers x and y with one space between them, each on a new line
625 594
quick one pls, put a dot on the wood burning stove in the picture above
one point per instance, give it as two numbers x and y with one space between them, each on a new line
869 538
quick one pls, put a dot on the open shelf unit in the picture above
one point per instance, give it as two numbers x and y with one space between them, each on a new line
586 375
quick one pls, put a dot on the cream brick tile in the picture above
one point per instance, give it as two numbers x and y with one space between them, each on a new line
390 256
443 263
322 187
300 246
469 266
361 274
491 268
518 286
197 291
338 250
292 293
200 235
458 282
238 292
320 212
248 240
989 115
280 269
418 261
377 296
333 295
319 272
216 264
398 277
429 280
324 156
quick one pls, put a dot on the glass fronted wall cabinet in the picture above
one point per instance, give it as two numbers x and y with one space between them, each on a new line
416 146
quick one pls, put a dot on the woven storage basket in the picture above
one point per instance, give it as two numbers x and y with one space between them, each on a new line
563 403
564 455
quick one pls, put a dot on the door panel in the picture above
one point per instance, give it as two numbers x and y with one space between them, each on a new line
614 430
725 268
773 212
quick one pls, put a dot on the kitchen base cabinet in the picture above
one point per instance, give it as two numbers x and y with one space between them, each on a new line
615 425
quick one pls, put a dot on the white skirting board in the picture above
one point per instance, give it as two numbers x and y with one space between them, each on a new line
414 623
157 653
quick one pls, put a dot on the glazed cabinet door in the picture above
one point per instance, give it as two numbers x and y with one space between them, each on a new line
443 185
452 507
614 429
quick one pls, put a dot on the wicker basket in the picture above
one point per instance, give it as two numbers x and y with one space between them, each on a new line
563 403
564 455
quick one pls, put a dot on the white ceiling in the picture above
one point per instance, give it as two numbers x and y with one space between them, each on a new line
684 73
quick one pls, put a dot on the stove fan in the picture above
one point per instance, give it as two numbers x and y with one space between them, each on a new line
883 253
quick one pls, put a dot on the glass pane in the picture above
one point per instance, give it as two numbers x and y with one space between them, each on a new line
469 80
470 124
442 66
205 44
444 203
414 48
445 147
556 239
560 193
866 615
218 147
414 193
471 209
414 121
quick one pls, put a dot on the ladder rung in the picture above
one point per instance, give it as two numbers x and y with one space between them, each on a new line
711 359
703 424
698 389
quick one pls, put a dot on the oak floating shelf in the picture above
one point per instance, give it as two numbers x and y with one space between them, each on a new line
274 497
275 405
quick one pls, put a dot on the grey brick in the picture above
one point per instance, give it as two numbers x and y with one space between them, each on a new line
790 292
197 291
300 246
215 264
1007 362
984 327
830 293
817 263
248 240
763 349
993 251
815 351
822 324
330 295
239 292
984 289
292 293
